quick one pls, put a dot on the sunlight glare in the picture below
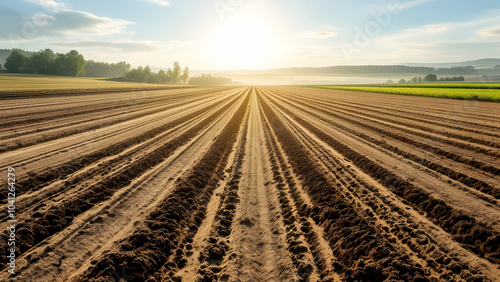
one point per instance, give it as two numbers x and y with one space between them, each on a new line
243 42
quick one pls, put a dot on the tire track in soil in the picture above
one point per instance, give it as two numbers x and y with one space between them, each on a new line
385 143
114 164
90 141
47 223
258 248
271 184
421 117
474 235
294 201
410 232
37 132
159 242
94 232
210 245
362 252
55 171
215 253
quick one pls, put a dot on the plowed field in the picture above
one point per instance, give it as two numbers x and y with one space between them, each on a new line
252 184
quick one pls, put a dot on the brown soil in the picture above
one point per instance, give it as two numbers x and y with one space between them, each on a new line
252 183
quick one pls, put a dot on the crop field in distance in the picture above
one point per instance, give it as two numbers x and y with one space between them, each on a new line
464 91
244 183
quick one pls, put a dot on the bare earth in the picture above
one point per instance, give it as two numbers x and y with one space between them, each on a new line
252 184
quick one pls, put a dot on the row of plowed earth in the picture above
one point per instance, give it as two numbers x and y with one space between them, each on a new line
340 119
58 217
409 232
51 93
399 232
477 235
42 221
163 236
295 184
255 232
364 253
52 122
39 177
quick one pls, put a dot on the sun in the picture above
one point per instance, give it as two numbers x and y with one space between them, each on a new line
243 42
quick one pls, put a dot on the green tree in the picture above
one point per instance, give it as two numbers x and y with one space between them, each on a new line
414 80
210 80
170 75
43 61
402 81
17 62
123 67
419 79
161 76
60 65
136 75
176 73
185 75
75 63
148 76
430 78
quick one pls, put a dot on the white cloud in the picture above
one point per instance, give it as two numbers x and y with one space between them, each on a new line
65 22
424 30
434 28
51 5
82 22
121 46
318 34
413 3
490 32
159 2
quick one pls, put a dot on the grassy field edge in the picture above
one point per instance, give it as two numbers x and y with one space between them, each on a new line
476 94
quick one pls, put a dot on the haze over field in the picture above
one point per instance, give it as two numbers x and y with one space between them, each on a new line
231 35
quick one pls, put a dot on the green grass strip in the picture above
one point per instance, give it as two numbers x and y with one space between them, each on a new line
491 94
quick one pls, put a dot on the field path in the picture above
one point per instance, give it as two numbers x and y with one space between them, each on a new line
261 253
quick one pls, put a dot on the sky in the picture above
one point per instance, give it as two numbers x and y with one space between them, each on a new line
256 34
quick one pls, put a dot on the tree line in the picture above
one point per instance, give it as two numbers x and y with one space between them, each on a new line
74 64
371 69
428 78
101 69
46 62
173 75
204 79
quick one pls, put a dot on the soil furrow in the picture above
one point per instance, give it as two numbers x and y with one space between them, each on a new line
273 183
400 224
466 230
165 232
58 217
445 170
353 241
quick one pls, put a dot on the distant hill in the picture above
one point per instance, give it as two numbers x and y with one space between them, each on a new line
481 63
405 68
367 70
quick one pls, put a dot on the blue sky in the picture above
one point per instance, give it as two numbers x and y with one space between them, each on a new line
240 34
